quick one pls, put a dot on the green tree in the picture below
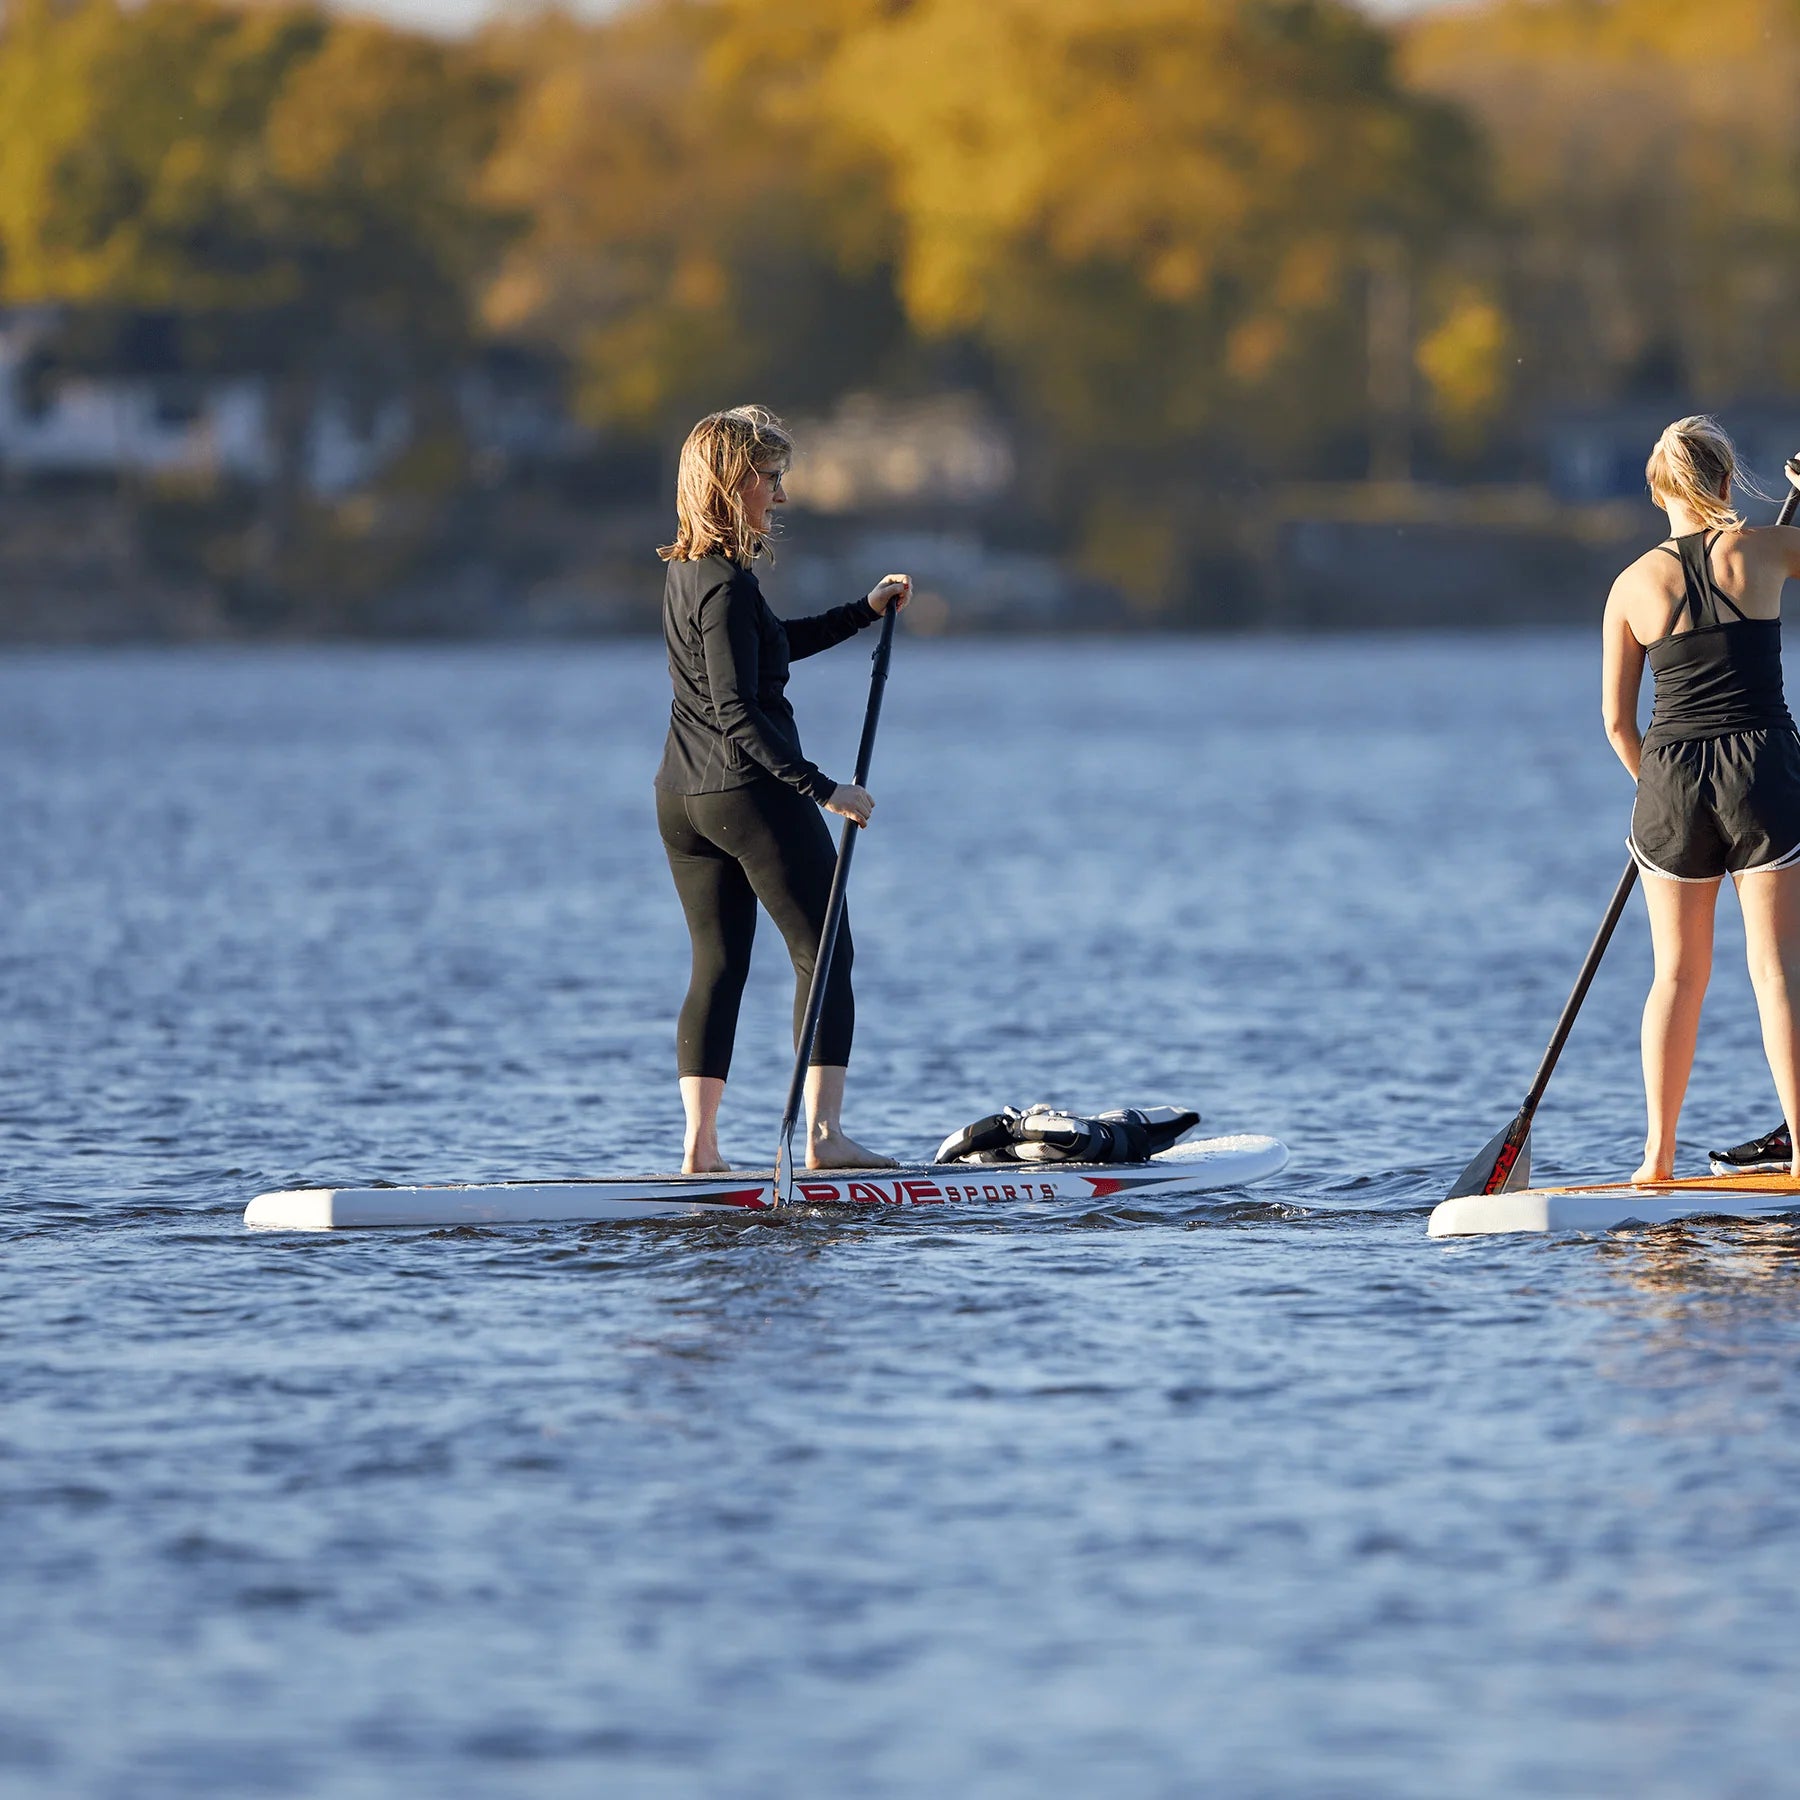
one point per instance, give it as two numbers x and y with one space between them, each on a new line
305 193
1178 195
692 237
133 168
1159 215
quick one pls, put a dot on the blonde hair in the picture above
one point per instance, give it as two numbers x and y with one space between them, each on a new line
1696 463
718 457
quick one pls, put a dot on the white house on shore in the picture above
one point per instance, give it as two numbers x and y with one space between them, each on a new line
874 455
216 428
121 425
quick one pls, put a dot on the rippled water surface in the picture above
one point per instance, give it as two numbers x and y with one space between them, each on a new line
1256 1494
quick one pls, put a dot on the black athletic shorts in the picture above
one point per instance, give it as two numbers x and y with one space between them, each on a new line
1708 807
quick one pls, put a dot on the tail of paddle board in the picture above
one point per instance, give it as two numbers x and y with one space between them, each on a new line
1198 1166
1607 1206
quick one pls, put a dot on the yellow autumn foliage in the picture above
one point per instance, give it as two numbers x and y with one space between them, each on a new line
690 236
1647 153
1464 357
1154 230
1205 172
214 159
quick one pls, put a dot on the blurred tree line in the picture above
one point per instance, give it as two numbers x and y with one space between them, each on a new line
1189 247
300 196
1645 231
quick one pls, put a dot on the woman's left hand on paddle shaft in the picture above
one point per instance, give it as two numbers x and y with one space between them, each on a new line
890 590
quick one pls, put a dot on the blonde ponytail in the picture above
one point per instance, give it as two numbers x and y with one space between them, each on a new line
1695 463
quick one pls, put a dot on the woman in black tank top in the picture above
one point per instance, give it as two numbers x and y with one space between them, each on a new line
1718 771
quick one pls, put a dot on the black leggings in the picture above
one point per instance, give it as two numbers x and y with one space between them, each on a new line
727 851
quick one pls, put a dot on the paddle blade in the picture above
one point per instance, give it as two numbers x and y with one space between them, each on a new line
1503 1167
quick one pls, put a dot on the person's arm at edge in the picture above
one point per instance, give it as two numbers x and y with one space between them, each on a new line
1621 676
1788 536
1787 542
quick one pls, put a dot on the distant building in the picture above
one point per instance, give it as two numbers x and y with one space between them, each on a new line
873 455
151 424
160 419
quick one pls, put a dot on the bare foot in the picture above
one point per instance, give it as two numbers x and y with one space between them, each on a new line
705 1165
1648 1171
832 1150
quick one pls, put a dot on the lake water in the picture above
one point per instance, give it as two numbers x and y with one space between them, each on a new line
1260 1494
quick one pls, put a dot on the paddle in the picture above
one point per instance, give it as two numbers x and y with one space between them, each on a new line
1504 1165
834 913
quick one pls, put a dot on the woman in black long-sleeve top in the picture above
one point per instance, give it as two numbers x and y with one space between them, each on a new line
736 800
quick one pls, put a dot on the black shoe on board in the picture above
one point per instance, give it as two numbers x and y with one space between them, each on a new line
1772 1154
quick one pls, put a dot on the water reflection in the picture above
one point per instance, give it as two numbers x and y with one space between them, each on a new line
1697 1256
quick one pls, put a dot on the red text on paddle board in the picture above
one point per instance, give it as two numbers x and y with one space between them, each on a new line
914 1192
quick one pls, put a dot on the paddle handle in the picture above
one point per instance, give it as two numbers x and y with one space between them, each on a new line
834 914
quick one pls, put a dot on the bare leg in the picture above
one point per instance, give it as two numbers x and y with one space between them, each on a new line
1681 933
826 1145
700 1097
1771 906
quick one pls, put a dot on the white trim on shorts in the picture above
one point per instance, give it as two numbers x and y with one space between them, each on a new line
1791 860
1769 868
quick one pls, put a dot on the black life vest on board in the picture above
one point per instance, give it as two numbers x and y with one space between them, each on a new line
1048 1134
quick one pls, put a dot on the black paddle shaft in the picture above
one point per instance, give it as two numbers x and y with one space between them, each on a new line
1492 1169
834 908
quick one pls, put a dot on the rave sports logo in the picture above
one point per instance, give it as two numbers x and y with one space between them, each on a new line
915 1191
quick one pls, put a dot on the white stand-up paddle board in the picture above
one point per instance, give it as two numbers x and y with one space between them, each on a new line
1195 1167
1605 1207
